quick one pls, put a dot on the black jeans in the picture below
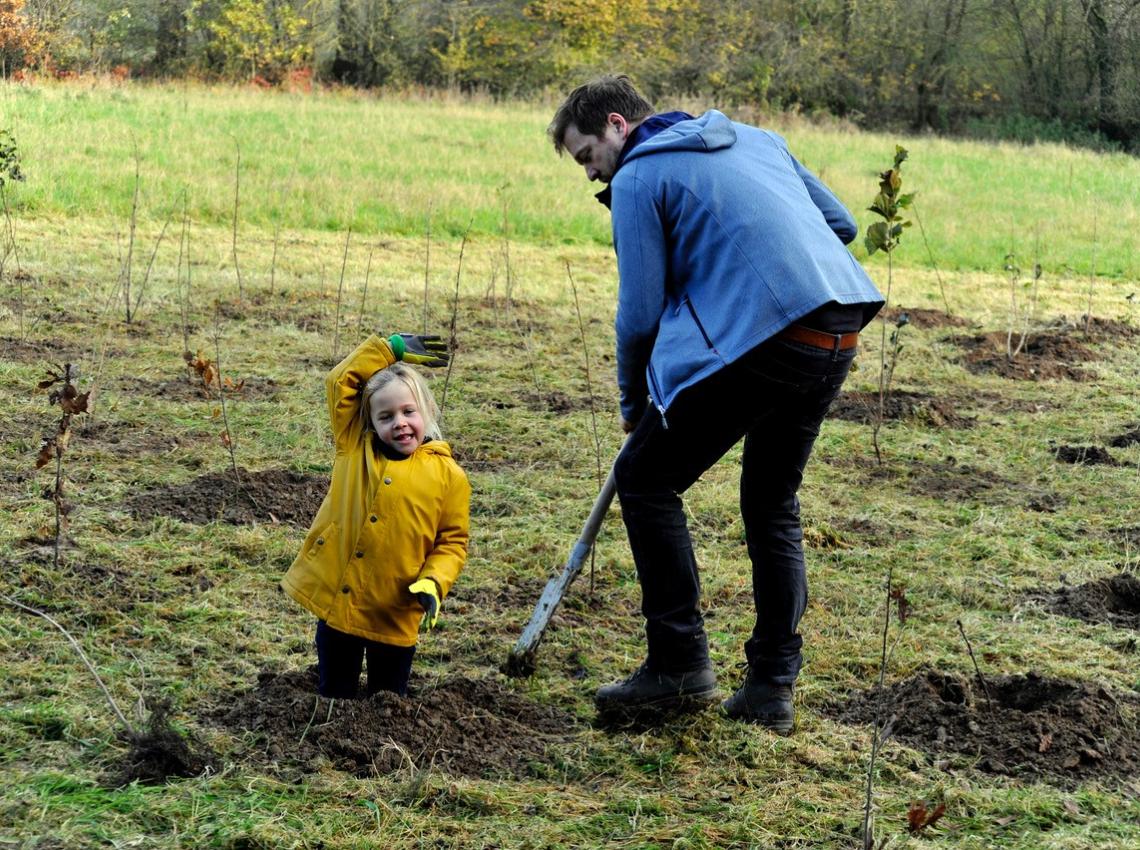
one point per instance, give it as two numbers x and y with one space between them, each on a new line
775 397
340 657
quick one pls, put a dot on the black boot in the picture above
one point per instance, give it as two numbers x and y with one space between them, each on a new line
757 701
647 690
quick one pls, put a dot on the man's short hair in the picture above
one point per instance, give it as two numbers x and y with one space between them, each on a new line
588 105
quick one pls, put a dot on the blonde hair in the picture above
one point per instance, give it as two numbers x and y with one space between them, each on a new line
418 387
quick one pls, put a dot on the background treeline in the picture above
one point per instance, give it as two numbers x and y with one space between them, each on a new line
1047 69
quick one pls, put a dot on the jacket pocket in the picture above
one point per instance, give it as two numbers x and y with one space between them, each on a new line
697 321
321 541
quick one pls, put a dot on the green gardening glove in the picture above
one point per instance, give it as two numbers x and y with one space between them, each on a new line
427 592
422 350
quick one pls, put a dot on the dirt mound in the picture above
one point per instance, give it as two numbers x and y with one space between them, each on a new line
469 727
1089 455
1114 600
272 495
924 318
1128 438
899 404
1053 729
1049 355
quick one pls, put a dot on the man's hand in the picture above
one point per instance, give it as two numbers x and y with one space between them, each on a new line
421 350
427 594
627 426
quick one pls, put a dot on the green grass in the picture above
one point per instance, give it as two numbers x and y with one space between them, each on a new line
337 161
325 162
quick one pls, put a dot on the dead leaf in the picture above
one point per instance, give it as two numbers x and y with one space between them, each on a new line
919 817
226 439
1045 743
47 453
75 404
1071 807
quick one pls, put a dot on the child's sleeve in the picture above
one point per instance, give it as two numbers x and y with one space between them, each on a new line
345 383
450 551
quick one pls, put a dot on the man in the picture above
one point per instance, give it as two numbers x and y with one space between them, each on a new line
738 314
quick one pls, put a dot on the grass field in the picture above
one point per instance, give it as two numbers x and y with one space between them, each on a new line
168 575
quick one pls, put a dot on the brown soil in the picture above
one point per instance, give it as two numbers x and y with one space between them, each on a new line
272 495
44 351
1128 438
1052 729
160 753
553 401
1089 455
1114 600
900 404
468 727
1048 355
125 439
924 319
949 479
189 387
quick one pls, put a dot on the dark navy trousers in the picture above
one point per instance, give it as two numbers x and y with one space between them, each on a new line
340 658
775 398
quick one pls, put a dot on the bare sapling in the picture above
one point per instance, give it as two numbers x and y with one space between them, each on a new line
227 434
452 341
234 240
884 236
126 264
153 255
273 261
505 247
339 295
364 296
183 288
427 266
1014 272
930 254
71 403
883 725
156 753
593 411
525 335
974 661
1092 276
10 173
1017 315
122 718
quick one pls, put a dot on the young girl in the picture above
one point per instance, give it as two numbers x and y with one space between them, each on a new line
391 534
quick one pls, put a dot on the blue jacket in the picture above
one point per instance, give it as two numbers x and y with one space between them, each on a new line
723 239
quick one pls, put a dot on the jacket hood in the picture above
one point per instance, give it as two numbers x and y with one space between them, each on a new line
710 132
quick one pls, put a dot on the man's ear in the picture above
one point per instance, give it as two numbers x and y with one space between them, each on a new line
618 122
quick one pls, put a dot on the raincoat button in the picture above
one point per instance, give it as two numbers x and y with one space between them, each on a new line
344 589
360 554
387 480
320 541
372 518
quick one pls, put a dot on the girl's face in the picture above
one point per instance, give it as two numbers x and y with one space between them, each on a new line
396 417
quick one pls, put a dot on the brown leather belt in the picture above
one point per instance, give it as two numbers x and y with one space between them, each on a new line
819 339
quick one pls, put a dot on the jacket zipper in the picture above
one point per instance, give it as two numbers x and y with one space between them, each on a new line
657 394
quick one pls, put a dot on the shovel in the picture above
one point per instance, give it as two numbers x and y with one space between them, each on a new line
520 661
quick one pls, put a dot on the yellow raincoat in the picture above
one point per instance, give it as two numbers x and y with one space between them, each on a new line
384 523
